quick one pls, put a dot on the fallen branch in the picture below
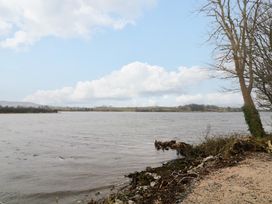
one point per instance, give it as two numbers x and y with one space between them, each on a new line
182 148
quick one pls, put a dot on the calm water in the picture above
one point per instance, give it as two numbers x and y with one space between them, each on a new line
69 155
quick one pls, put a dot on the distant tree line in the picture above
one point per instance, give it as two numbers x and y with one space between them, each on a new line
208 108
185 108
19 109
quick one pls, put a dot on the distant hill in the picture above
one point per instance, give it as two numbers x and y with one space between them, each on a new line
24 107
18 104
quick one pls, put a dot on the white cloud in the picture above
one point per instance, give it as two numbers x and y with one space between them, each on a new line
23 22
134 84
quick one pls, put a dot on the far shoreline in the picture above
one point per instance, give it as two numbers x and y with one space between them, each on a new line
189 108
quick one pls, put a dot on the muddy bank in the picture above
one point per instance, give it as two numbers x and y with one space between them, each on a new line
173 181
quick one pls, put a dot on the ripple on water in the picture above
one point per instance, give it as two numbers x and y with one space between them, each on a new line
45 156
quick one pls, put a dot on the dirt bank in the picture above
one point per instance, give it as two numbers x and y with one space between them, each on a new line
234 169
248 182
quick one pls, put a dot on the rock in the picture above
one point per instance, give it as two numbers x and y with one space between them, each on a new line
61 158
154 175
117 201
152 184
142 188
131 202
137 197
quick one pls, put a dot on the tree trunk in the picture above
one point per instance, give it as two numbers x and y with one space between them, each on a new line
251 114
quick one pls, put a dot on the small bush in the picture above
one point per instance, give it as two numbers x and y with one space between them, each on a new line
225 146
229 146
214 145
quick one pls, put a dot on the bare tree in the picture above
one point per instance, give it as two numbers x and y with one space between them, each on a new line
263 57
235 29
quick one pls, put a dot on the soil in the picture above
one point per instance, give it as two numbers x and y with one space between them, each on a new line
248 182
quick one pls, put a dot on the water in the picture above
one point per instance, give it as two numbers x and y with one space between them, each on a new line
70 155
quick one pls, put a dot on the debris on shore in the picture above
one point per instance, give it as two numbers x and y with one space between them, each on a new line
171 182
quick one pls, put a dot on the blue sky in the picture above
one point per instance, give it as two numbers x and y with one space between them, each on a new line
55 57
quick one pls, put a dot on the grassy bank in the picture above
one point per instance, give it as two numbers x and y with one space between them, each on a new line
171 182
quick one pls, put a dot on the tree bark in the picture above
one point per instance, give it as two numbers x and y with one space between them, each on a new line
251 114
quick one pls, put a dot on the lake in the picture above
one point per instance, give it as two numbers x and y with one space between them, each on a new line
64 157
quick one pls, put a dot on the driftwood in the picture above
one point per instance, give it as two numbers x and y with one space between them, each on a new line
182 148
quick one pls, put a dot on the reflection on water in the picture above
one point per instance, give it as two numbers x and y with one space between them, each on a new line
68 155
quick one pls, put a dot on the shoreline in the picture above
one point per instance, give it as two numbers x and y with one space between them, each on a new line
173 181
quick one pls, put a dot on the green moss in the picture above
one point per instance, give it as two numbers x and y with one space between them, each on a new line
253 121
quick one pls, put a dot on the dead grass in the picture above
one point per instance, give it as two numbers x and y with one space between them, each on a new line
227 146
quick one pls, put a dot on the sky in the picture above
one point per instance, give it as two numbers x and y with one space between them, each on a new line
108 52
